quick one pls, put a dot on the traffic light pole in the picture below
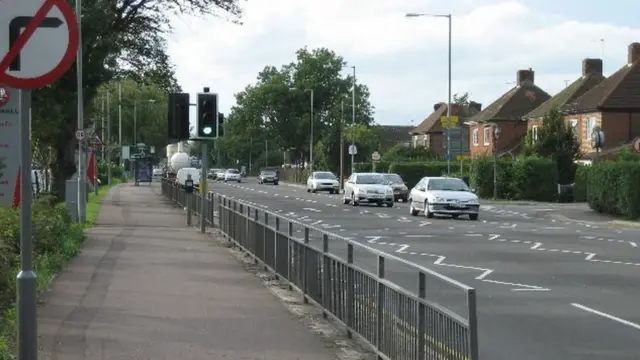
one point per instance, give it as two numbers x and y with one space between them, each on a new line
204 188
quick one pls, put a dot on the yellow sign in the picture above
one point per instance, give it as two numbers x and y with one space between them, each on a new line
449 122
463 157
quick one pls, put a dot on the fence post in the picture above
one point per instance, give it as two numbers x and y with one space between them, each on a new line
264 241
305 272
350 290
380 304
326 275
255 224
275 248
422 314
473 324
188 206
289 245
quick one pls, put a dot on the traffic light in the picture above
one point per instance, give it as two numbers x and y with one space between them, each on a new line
220 125
207 115
178 117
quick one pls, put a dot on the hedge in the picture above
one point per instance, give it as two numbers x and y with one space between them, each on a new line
412 172
103 172
580 183
482 177
614 188
56 240
381 167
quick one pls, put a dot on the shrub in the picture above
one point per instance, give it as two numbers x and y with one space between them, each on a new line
103 174
381 167
613 187
534 178
411 173
482 177
580 184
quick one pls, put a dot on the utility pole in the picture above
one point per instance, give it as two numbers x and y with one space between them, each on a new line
341 143
82 174
103 122
107 142
311 139
120 123
353 116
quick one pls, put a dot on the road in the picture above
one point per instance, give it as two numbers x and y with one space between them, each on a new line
547 289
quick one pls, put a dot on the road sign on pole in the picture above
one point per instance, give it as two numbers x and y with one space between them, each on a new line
42 42
80 135
375 156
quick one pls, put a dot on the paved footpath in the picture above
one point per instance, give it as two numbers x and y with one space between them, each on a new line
148 287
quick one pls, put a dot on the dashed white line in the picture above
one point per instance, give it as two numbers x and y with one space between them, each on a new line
605 315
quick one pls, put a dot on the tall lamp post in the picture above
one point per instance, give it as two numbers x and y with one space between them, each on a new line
353 112
496 136
448 16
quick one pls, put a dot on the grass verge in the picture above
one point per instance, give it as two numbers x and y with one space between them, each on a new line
47 263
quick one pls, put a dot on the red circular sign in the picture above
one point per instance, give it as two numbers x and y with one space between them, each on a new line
5 96
62 67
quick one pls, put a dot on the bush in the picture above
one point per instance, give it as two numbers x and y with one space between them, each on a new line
534 178
580 184
411 173
381 167
103 172
55 240
482 177
613 187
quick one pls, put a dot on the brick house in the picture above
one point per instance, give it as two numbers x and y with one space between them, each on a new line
506 113
613 105
591 77
430 134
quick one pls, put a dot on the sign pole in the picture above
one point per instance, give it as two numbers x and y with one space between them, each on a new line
204 188
26 281
82 175
107 142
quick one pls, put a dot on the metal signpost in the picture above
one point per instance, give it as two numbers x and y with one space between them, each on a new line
375 158
41 47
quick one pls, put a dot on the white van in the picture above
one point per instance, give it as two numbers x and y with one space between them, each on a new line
181 176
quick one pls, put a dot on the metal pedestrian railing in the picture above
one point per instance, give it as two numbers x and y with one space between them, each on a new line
332 272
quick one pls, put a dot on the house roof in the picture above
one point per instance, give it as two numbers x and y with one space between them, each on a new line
433 124
514 104
619 91
428 123
568 95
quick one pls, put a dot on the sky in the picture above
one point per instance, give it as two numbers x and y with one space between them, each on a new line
404 62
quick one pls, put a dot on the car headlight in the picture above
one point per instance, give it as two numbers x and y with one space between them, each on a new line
389 191
473 201
438 199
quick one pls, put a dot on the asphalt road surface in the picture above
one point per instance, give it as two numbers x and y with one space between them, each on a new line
547 289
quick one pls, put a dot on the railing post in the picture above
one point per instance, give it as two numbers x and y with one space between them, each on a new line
264 241
275 248
350 290
380 304
255 225
326 276
422 315
290 243
188 206
305 272
473 324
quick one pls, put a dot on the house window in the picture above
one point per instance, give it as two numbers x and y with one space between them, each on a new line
573 123
487 135
534 133
475 137
427 141
591 124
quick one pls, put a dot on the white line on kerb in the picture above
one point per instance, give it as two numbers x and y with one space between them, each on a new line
633 244
608 316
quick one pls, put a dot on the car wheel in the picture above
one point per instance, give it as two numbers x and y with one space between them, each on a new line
404 200
345 200
455 216
380 204
313 190
390 204
413 210
275 183
427 213
353 200
473 216
308 190
239 181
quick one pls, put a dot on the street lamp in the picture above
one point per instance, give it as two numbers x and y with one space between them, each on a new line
448 16
135 117
496 136
311 137
353 113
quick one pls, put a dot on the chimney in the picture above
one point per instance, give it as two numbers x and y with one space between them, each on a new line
525 75
591 66
436 106
475 105
634 52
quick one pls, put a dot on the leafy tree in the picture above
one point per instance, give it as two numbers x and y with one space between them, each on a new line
278 108
120 39
555 140
400 152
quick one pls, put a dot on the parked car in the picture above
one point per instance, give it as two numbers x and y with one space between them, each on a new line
232 175
323 181
220 174
157 172
181 176
400 190
268 177
367 188
211 174
443 195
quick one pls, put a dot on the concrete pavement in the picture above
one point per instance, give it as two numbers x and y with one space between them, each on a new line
147 287
548 288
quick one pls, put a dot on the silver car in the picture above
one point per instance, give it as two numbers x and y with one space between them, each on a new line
443 195
371 188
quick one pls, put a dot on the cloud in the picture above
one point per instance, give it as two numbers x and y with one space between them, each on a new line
403 61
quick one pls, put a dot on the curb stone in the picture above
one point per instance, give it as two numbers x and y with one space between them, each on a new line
330 331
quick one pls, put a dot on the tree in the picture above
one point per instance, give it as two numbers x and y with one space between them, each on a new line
120 39
555 140
278 108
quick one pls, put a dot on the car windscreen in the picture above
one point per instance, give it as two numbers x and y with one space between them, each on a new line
393 178
268 173
370 179
447 185
233 171
325 176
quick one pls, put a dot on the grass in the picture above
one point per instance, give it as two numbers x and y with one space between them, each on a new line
93 205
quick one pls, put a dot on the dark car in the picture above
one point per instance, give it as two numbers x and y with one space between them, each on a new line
268 177
400 190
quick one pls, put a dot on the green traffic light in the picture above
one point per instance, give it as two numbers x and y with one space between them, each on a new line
207 130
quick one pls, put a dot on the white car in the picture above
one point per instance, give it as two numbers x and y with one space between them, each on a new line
323 181
371 188
232 175
443 195
220 174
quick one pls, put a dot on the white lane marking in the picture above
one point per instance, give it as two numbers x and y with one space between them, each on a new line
402 249
424 223
418 236
519 287
590 256
537 245
383 216
472 234
373 239
404 219
312 210
633 244
493 236
605 315
329 226
317 222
